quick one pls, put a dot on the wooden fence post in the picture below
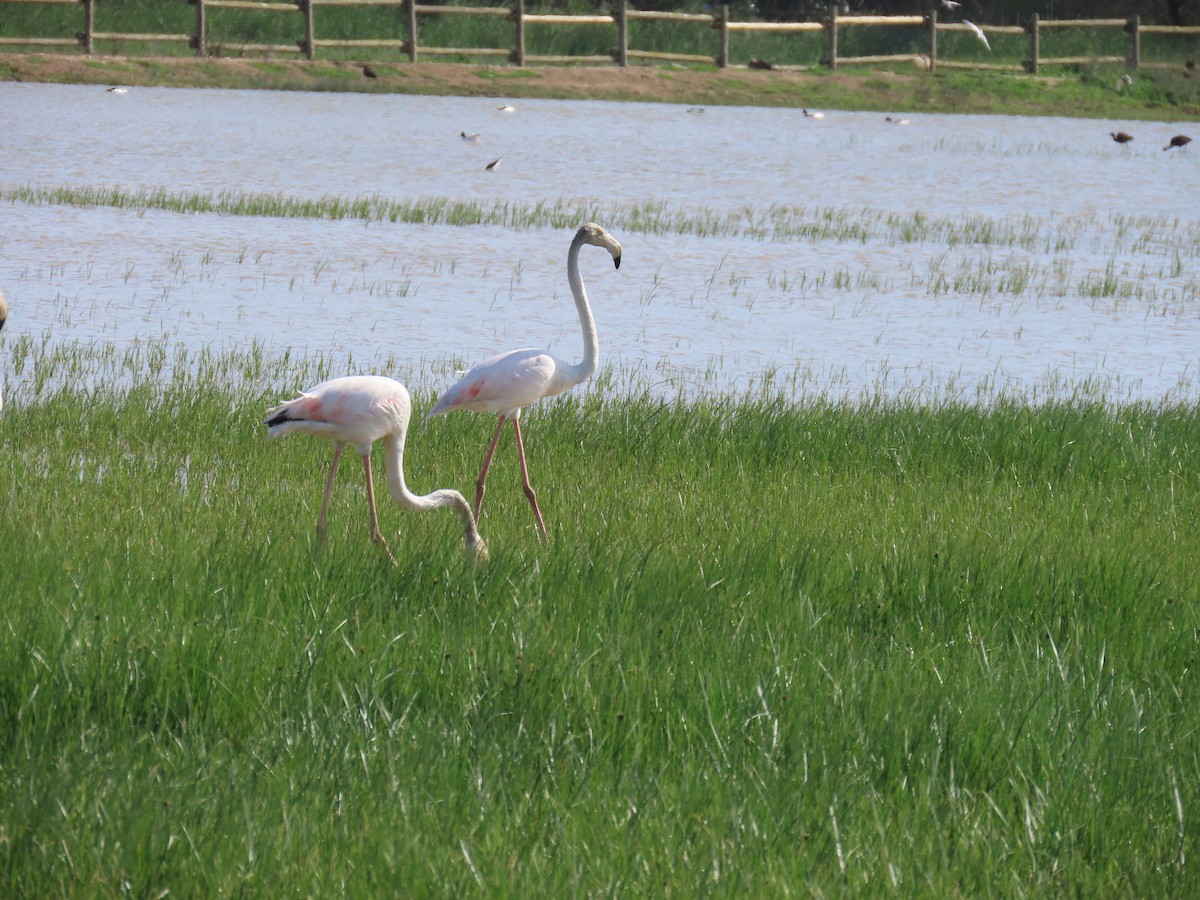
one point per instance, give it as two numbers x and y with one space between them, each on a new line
198 40
1135 42
932 40
519 53
411 6
309 31
89 25
831 24
723 52
1035 42
622 34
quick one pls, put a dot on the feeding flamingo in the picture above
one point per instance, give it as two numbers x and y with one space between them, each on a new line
507 382
359 410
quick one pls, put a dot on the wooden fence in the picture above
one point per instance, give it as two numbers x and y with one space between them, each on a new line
306 13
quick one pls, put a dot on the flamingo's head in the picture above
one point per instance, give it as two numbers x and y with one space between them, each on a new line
591 233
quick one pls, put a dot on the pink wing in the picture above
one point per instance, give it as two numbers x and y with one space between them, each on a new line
356 409
504 383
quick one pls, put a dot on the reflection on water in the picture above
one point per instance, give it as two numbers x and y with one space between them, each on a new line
1105 288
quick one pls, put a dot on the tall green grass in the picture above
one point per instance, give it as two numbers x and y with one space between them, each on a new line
770 649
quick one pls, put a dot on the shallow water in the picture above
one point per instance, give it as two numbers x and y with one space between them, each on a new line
830 315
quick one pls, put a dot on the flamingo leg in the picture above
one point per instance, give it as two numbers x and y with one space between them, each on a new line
537 513
337 457
376 534
480 482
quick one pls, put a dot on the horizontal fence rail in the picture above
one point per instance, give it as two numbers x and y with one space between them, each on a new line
307 15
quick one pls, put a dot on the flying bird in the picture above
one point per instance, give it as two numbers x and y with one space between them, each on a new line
1180 140
978 32
507 382
1121 137
359 410
491 167
951 5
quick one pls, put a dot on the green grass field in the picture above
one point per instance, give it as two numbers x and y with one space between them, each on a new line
771 649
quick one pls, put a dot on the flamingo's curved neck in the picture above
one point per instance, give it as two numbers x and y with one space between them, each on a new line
393 463
591 342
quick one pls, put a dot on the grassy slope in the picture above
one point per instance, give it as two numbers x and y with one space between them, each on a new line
1155 94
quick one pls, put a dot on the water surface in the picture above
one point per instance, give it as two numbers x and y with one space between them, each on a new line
1114 303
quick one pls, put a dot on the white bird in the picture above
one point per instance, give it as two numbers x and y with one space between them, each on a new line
359 410
491 167
951 5
507 382
470 138
895 121
978 33
3 319
117 90
506 108
812 115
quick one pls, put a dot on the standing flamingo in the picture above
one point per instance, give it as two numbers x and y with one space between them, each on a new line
506 383
359 410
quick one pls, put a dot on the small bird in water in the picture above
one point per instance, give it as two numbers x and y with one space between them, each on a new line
895 121
117 90
470 138
1121 137
369 71
1180 140
491 167
812 115
506 108
978 33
